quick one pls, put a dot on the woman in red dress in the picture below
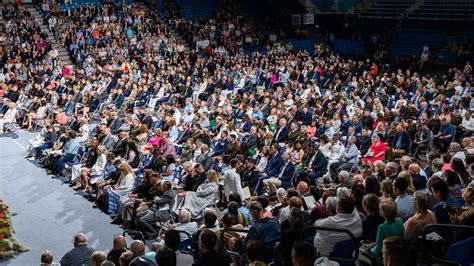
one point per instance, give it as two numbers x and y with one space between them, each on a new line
376 151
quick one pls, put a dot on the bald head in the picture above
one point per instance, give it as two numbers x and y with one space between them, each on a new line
120 242
138 248
80 239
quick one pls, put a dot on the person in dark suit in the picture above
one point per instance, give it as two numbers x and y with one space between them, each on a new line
282 133
402 141
283 178
50 137
80 254
250 174
315 166
119 247
184 135
121 145
108 140
209 255
116 123
159 212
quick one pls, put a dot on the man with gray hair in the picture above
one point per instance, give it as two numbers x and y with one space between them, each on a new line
347 160
436 166
391 170
282 133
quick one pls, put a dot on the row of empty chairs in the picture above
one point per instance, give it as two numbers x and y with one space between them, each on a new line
444 9
410 41
387 8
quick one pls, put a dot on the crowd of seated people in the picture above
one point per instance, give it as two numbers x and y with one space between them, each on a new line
225 33
166 140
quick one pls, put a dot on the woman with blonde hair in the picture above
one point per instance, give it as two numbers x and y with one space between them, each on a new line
205 195
97 258
121 188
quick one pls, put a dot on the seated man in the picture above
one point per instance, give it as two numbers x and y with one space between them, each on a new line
264 228
67 154
445 135
283 179
315 166
345 218
80 254
347 159
401 142
159 212
273 165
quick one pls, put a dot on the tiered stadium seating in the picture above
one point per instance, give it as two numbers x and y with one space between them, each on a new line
387 8
329 6
303 44
203 8
445 10
451 58
410 41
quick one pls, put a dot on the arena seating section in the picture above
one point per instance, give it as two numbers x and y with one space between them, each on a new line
387 8
444 9
411 40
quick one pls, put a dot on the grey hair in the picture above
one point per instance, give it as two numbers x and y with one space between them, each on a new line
392 167
256 207
421 199
344 174
438 163
184 216
281 193
331 204
343 192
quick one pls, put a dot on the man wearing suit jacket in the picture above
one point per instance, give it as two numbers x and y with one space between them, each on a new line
121 146
316 166
108 141
401 142
116 123
284 176
282 133
184 135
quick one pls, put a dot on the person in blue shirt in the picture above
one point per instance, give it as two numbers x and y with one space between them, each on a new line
69 151
443 139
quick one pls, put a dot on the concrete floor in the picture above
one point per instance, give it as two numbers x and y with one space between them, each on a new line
49 213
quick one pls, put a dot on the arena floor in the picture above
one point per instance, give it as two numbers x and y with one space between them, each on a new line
49 213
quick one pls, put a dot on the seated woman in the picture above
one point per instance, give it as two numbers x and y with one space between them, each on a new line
123 186
9 116
376 151
36 114
168 169
392 226
205 195
143 192
154 142
446 204
373 220
96 170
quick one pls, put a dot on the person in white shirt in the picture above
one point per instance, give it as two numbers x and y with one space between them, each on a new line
345 218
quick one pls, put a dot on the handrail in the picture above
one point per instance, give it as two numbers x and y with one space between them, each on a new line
232 253
429 228
331 229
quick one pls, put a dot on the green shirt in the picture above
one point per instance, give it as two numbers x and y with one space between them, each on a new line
385 230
